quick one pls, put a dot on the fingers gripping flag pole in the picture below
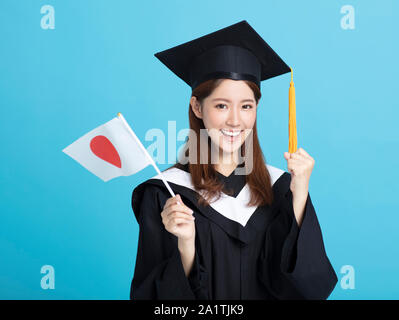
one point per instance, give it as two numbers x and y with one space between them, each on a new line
112 150
152 162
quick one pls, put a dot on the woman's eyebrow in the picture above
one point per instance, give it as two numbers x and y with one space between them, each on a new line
227 100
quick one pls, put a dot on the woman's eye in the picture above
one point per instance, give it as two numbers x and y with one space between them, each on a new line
222 106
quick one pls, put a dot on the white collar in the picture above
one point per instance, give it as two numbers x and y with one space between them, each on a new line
233 208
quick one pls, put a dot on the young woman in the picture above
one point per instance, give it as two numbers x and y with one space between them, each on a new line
236 229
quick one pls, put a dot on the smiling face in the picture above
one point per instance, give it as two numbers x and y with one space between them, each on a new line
228 113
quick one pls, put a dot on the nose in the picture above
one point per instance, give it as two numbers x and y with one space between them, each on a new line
233 118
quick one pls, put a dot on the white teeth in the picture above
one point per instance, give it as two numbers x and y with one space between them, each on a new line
230 133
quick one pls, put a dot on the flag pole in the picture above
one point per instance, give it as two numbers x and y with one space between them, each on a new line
146 153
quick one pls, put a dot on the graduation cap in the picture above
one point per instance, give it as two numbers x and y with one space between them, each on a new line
236 52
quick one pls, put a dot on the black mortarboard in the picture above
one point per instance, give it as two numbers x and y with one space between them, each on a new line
236 52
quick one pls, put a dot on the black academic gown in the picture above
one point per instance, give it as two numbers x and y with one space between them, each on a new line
241 253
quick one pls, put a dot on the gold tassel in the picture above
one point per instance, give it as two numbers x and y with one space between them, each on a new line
292 136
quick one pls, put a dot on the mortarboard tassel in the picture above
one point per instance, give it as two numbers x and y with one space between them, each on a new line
292 137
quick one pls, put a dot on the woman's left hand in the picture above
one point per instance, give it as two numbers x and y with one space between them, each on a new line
300 164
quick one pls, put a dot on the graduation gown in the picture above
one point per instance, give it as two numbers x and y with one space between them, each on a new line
241 252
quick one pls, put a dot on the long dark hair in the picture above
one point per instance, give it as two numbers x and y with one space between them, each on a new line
204 176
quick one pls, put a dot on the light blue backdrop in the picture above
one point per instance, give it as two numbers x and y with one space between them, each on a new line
58 84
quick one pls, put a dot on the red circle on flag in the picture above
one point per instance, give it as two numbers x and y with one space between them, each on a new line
105 150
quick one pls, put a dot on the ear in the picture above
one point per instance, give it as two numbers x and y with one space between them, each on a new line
196 107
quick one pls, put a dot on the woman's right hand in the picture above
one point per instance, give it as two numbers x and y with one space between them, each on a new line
178 218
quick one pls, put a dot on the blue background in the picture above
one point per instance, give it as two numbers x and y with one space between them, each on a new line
56 85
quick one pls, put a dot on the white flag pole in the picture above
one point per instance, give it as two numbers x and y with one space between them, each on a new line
145 152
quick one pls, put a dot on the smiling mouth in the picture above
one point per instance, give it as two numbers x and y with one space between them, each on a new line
231 135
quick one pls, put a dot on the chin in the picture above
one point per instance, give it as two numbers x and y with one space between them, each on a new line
226 146
231 148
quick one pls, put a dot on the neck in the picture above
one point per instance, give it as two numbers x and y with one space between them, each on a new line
225 170
227 163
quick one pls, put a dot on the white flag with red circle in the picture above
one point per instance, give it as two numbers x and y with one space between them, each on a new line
110 151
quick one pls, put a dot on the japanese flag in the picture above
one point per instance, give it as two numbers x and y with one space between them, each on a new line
111 150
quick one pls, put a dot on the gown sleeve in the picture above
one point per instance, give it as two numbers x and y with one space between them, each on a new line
159 272
295 265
